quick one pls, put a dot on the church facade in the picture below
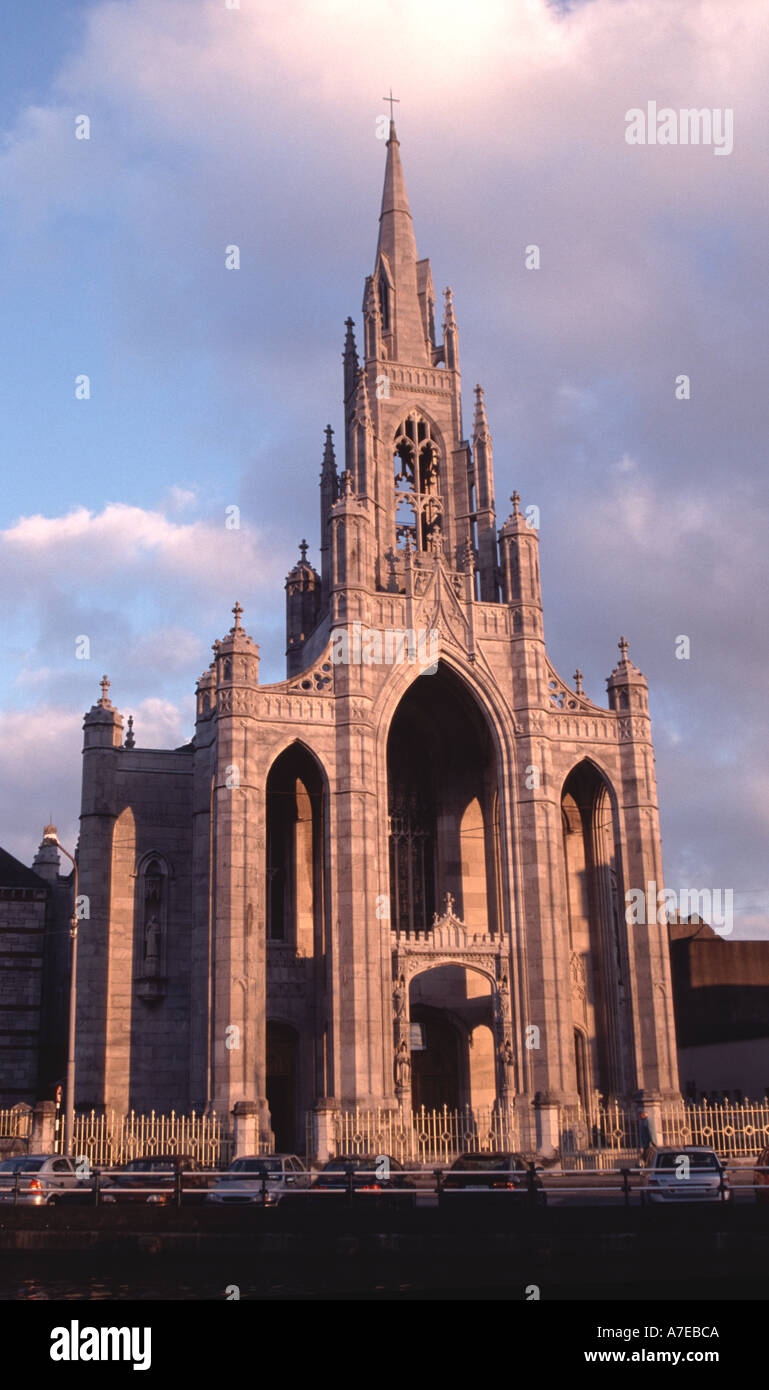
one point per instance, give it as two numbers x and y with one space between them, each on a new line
398 877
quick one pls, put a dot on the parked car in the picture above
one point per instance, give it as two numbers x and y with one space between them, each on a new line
666 1178
153 1178
42 1179
761 1176
258 1179
487 1172
367 1174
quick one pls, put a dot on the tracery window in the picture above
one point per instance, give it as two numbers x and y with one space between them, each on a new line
418 509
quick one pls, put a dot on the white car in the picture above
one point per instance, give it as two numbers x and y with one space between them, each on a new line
259 1179
41 1178
690 1173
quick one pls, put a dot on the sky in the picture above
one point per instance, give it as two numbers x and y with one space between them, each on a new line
215 124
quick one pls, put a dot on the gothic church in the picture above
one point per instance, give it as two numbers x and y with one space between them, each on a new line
397 877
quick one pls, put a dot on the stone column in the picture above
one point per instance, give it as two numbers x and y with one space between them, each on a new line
43 1127
239 900
246 1122
324 1138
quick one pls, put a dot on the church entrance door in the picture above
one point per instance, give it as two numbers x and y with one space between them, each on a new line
282 1043
435 1069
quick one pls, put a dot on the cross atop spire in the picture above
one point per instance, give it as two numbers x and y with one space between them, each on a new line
303 551
394 101
238 611
578 681
623 647
105 684
515 499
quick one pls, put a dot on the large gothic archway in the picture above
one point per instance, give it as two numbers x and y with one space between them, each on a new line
442 783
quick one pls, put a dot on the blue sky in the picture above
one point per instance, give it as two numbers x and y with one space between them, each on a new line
208 387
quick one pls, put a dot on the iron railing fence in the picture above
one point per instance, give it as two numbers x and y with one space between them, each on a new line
613 1134
733 1129
424 1136
16 1123
110 1139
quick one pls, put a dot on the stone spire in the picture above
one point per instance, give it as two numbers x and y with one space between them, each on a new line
350 359
626 685
484 502
450 332
46 862
396 273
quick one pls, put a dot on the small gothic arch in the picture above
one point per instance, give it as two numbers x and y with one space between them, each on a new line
295 849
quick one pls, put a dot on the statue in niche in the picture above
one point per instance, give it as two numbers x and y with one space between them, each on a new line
152 946
402 1065
506 1057
399 998
153 914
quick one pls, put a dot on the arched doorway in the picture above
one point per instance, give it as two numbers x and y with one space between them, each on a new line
452 1047
282 1058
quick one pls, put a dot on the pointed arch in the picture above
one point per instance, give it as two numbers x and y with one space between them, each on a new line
441 811
419 457
295 843
597 928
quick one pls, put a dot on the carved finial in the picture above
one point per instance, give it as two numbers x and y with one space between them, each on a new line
624 647
238 611
449 321
449 904
515 499
469 556
130 741
303 551
345 484
578 681
105 684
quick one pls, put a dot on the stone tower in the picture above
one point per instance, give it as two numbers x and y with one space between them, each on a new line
398 877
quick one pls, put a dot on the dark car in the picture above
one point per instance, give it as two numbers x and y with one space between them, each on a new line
155 1178
365 1174
489 1172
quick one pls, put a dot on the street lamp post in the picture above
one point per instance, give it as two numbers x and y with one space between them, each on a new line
69 1098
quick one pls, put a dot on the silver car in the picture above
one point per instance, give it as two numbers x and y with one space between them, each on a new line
690 1173
258 1178
38 1179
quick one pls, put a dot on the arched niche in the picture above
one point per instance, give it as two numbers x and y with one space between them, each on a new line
597 930
294 850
